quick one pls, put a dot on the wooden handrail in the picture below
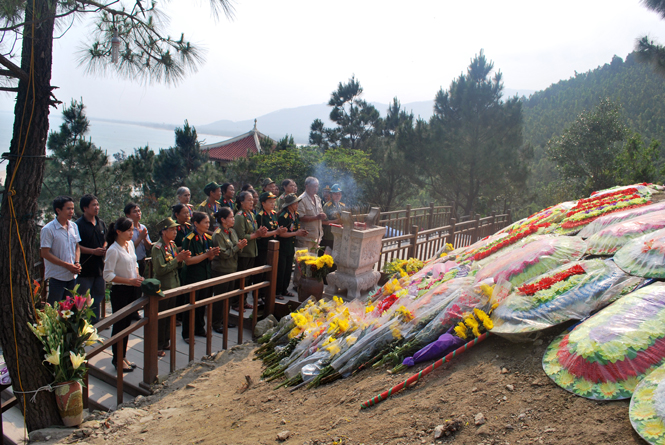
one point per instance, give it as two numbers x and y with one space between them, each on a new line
119 315
215 281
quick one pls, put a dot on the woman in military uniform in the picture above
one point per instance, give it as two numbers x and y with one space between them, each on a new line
267 218
166 262
290 220
333 210
225 263
211 205
181 217
197 268
247 228
228 192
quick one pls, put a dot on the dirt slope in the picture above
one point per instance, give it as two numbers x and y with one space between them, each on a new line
520 404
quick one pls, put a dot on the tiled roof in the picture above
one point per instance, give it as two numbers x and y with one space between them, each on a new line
234 148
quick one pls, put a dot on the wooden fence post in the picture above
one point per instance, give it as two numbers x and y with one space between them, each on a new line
413 242
407 221
273 260
430 222
150 368
510 219
494 229
476 228
450 239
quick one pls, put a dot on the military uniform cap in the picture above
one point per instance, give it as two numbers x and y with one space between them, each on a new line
266 196
166 223
151 286
211 187
336 188
266 182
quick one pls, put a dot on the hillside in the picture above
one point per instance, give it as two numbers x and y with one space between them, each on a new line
635 85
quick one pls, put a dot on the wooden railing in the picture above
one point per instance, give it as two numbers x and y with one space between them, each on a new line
424 244
149 322
401 221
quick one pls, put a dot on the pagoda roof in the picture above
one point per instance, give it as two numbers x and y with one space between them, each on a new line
237 147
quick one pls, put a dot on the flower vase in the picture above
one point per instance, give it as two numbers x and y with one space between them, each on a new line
69 398
310 287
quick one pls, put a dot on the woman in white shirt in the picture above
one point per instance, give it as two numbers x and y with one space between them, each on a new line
121 270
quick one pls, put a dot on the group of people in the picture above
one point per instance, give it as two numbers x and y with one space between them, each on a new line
227 232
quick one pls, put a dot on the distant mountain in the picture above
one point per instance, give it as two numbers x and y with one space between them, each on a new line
296 121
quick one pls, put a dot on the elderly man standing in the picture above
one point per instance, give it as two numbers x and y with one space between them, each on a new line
311 216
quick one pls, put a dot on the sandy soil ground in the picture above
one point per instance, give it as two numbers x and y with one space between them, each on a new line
503 381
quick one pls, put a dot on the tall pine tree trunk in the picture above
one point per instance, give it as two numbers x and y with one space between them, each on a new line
22 351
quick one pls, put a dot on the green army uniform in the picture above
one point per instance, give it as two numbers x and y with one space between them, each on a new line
244 226
164 265
224 263
210 210
197 244
269 220
227 260
228 203
280 202
287 250
333 211
165 269
183 231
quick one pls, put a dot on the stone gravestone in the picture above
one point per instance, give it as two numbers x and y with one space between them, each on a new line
355 252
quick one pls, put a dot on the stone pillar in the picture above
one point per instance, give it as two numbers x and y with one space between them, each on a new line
355 253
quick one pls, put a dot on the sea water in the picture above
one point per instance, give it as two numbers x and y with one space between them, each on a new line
110 136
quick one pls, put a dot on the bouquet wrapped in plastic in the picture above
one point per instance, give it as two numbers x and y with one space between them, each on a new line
589 209
569 292
613 218
644 189
612 238
647 407
542 254
552 215
605 356
644 256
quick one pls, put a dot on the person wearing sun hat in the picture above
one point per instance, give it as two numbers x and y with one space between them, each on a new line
270 186
333 210
166 262
289 219
211 205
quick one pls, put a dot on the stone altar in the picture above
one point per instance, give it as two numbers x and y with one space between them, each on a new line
355 253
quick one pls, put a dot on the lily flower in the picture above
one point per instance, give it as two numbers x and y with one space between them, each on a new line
54 357
77 359
80 302
66 314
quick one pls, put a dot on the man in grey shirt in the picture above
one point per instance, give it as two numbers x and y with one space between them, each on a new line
59 247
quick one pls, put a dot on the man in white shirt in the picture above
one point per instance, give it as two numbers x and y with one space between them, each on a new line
60 250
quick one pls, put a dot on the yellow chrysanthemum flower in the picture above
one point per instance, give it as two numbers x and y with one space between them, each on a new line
565 379
642 410
460 331
609 389
552 368
396 333
645 392
369 309
630 383
351 340
583 386
653 429
333 349
299 319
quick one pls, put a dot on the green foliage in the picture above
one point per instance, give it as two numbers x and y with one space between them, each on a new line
471 152
587 150
173 165
355 119
636 162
